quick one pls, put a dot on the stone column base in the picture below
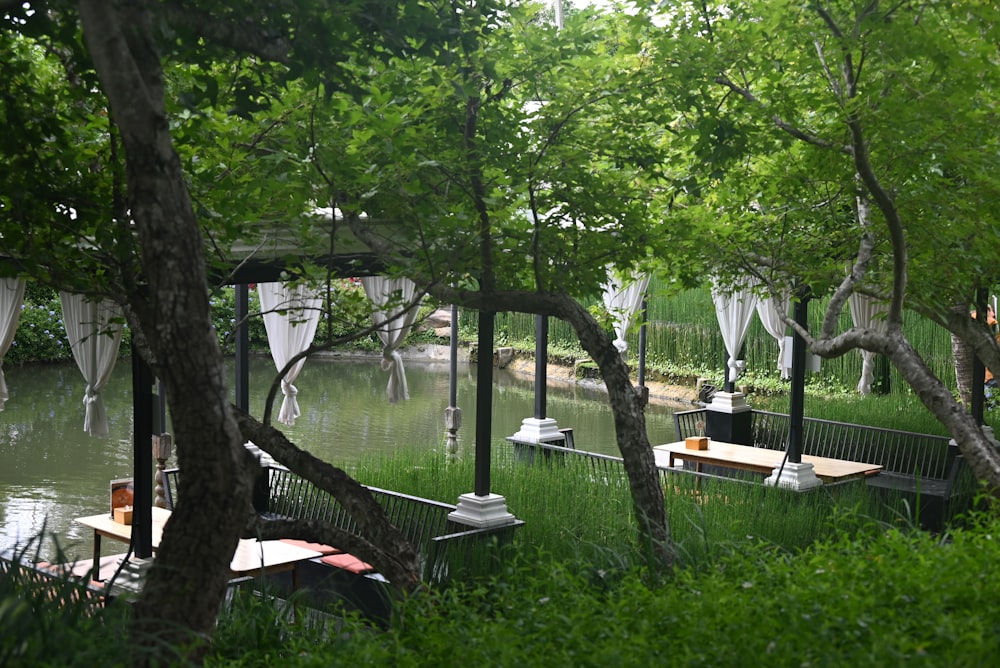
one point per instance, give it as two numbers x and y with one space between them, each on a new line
798 477
128 584
537 430
482 511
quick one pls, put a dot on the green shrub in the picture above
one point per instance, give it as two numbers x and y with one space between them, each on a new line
49 624
41 335
886 599
783 579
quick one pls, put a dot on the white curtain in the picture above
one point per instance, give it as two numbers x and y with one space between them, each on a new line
734 310
393 324
867 313
622 300
94 340
291 314
767 310
11 298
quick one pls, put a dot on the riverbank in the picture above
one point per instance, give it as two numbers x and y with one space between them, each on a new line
660 393
559 371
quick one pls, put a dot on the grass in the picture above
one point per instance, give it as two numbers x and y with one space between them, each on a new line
894 411
788 579
763 575
568 511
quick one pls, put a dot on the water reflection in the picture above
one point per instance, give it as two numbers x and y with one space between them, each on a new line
51 471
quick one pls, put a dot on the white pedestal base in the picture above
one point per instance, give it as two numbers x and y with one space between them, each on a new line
728 402
482 511
537 430
798 477
129 582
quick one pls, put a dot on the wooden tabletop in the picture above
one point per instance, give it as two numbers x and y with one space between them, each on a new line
104 525
251 555
760 460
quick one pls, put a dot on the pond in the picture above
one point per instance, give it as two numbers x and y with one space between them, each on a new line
51 471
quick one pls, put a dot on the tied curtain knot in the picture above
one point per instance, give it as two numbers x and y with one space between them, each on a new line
289 405
736 367
390 359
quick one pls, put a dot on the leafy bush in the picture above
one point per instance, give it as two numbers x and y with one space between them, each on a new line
833 588
890 598
41 335
49 624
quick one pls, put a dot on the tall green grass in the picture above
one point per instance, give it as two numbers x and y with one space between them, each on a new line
790 579
573 513
902 411
683 332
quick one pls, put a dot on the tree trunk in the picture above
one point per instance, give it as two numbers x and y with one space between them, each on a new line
185 585
630 429
964 356
980 453
626 403
962 352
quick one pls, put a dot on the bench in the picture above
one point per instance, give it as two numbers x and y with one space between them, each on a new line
446 549
442 544
926 470
49 584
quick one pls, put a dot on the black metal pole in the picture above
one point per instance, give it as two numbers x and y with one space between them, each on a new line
978 368
484 401
642 344
453 362
142 458
797 398
541 364
242 348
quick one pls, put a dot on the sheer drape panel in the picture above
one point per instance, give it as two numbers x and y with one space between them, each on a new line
291 315
393 320
734 310
94 339
770 317
622 299
11 299
868 314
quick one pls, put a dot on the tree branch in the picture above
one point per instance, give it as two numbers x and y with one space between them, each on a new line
779 122
401 566
246 35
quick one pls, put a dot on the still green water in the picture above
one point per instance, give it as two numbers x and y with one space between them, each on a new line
51 471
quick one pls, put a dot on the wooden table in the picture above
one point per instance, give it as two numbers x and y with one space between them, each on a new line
251 556
758 460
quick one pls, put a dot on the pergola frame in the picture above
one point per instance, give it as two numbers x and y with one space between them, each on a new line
264 271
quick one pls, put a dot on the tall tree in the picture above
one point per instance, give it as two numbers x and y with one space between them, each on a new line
124 226
424 116
520 171
855 150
